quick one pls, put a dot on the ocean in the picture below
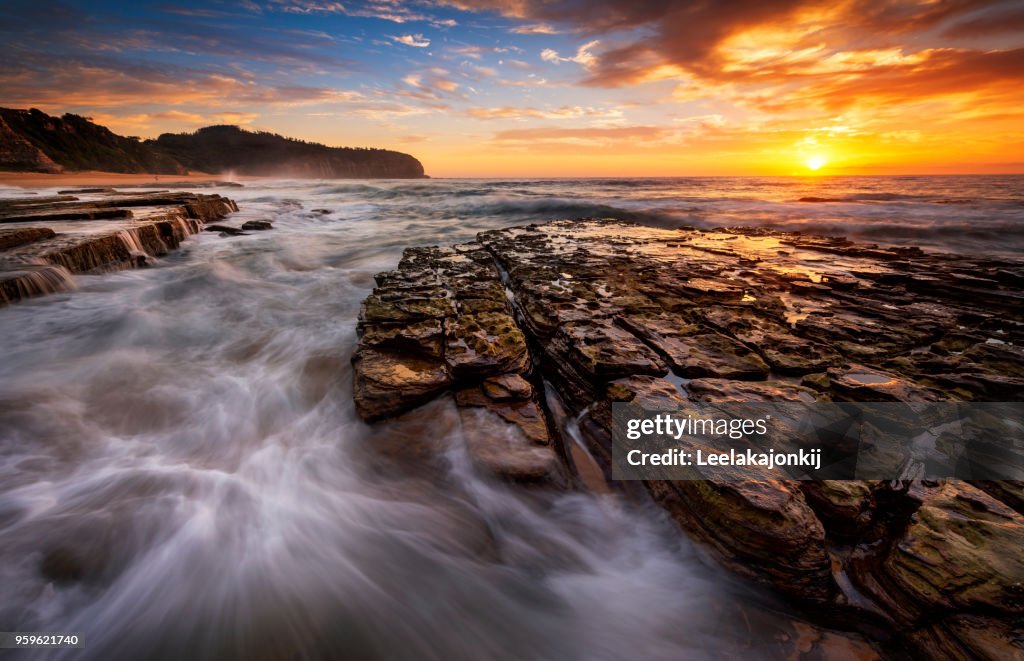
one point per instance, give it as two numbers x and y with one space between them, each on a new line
966 214
180 443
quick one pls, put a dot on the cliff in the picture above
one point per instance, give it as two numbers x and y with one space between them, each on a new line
229 148
17 153
31 140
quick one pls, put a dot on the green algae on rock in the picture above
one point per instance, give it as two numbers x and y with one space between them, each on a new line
441 322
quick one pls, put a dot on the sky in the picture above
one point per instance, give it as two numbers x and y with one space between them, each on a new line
526 88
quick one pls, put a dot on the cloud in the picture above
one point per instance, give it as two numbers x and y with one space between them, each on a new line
477 52
308 7
534 28
430 84
994 22
415 40
512 8
445 84
532 80
578 135
954 75
113 84
698 39
584 55
792 63
563 112
740 75
30 33
193 11
130 124
598 140
385 10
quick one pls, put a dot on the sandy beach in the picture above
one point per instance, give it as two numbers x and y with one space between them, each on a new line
95 178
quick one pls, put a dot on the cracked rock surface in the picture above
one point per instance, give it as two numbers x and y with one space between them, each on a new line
442 322
607 311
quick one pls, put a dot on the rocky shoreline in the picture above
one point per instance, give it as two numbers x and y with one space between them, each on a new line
45 240
594 312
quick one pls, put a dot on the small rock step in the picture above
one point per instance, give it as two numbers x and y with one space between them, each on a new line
45 240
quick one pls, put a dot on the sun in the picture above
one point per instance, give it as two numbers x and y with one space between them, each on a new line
816 162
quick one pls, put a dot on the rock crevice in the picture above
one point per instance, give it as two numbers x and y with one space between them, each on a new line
441 322
620 312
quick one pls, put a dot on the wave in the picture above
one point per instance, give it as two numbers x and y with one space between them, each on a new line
342 189
549 208
864 197
985 212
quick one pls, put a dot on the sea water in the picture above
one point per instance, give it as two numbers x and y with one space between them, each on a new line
183 475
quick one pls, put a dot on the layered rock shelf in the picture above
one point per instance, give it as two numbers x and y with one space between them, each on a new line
603 311
45 240
442 321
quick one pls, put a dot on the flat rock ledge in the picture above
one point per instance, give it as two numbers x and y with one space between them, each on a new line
45 240
606 311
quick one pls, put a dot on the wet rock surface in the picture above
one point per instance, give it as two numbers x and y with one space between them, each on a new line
858 324
45 240
608 311
441 322
225 230
961 551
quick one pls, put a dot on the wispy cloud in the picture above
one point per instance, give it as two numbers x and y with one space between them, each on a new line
534 28
477 52
429 84
597 137
563 112
415 40
385 10
584 54
145 122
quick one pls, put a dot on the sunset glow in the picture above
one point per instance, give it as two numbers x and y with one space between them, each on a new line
531 88
816 162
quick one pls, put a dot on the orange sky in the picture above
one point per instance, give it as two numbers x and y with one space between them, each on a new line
555 87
